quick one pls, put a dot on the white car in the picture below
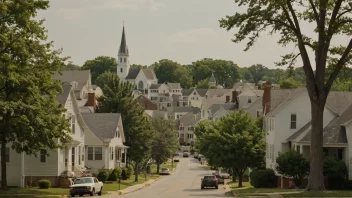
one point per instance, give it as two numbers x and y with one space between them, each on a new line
164 171
86 185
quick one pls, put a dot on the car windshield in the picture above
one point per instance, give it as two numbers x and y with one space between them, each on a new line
209 177
164 169
83 180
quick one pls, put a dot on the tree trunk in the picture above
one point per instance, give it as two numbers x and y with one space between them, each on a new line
316 178
233 176
157 168
3 165
240 176
136 172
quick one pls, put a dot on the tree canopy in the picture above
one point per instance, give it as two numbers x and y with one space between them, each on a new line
30 117
100 65
234 142
290 19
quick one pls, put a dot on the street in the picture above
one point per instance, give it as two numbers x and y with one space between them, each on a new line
184 182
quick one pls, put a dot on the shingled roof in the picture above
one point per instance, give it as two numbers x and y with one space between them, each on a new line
64 96
80 76
149 74
103 125
132 73
227 106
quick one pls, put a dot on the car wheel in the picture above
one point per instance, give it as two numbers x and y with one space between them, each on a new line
216 187
81 195
202 187
100 192
93 192
72 195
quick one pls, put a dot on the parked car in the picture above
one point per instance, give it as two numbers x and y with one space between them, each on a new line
224 174
200 156
164 171
176 159
185 154
196 155
209 181
221 180
86 185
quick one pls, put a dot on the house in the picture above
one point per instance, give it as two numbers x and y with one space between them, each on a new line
177 112
185 125
287 124
146 103
194 97
104 141
157 114
142 78
24 170
217 110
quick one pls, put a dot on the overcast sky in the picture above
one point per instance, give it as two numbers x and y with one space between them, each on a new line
180 30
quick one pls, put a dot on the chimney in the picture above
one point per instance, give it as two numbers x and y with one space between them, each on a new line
227 99
92 101
234 96
267 97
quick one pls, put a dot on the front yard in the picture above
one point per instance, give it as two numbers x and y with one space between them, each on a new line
36 192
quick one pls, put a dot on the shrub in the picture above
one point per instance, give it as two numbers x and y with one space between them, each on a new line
115 174
149 169
44 184
263 178
129 171
335 171
293 164
103 175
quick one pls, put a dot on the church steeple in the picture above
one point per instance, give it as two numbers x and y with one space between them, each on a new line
123 66
123 46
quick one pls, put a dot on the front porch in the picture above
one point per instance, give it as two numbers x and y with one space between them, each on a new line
121 156
72 160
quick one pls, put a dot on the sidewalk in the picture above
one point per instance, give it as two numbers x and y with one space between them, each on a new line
136 187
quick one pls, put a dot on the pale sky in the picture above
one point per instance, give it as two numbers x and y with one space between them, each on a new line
180 30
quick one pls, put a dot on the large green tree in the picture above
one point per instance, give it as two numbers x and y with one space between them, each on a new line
165 142
30 118
328 18
70 66
99 65
118 98
290 83
234 141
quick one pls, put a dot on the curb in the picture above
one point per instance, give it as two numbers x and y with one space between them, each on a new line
141 186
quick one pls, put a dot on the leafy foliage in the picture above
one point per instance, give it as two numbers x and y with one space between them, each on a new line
118 98
30 117
103 175
165 142
237 138
70 67
335 171
100 65
263 178
293 164
44 184
289 84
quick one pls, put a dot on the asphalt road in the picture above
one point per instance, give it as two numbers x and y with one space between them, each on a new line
184 182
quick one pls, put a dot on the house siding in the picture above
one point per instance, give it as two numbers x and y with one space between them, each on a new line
33 166
13 168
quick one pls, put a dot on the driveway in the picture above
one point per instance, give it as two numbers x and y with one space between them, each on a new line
184 182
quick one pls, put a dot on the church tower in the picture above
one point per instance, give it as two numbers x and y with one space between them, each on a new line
123 62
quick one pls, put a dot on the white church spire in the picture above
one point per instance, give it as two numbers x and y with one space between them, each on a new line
123 62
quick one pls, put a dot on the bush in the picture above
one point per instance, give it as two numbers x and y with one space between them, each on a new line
263 178
336 172
149 169
103 175
115 174
129 171
44 184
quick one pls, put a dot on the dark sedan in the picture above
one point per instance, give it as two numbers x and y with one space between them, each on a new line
209 181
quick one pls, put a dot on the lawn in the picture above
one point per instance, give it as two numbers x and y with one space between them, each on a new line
141 178
36 191
248 189
321 194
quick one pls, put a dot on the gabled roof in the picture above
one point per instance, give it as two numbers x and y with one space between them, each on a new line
155 86
227 106
174 85
188 119
186 92
132 73
149 74
218 92
183 109
279 98
64 96
80 76
123 46
202 92
103 125
157 113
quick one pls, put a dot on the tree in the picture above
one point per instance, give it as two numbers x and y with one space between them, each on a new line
289 83
30 117
165 142
237 138
203 84
293 164
328 19
257 71
118 98
99 65
70 66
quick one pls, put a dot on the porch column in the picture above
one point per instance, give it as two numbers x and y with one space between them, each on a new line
22 171
301 149
69 158
125 156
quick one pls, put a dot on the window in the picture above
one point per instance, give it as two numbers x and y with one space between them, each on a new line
339 154
267 150
90 153
98 153
182 135
42 156
7 155
121 60
181 128
258 113
168 104
124 59
73 126
249 100
194 93
73 156
293 121
190 128
121 70
298 148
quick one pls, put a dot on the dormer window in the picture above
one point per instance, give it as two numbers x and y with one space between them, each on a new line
293 121
194 93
